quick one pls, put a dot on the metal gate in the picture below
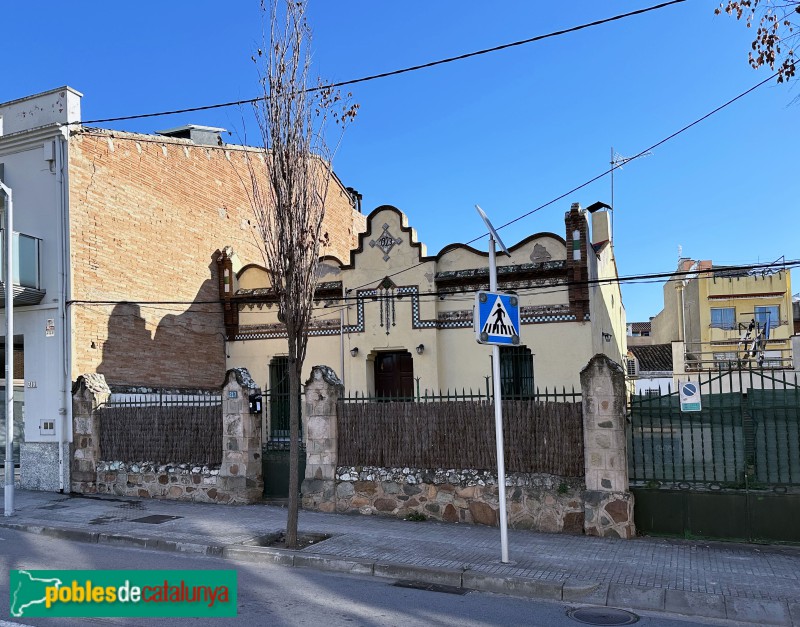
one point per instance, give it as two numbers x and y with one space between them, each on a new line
731 470
275 451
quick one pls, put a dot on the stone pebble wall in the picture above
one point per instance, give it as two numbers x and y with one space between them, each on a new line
177 482
539 502
38 462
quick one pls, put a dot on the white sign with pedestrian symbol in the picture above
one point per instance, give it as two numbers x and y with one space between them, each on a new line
497 318
690 396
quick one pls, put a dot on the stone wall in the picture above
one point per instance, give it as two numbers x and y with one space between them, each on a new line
89 392
322 391
609 503
180 482
237 480
598 504
539 502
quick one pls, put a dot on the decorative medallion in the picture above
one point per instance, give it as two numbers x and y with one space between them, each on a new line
385 242
540 254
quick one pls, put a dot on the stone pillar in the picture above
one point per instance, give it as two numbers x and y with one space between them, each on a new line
240 476
89 392
322 393
608 502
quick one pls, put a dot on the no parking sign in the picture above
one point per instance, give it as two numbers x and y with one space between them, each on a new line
690 396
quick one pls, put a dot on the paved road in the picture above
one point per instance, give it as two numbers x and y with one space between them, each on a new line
275 595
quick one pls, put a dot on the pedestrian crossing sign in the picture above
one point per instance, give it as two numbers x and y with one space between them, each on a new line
496 318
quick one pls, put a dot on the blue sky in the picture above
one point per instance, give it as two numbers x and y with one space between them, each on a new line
510 130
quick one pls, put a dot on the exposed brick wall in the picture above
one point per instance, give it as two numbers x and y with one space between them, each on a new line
146 216
577 270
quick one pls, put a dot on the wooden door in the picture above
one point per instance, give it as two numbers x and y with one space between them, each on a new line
394 375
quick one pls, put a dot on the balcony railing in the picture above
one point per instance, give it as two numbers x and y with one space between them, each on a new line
735 355
27 280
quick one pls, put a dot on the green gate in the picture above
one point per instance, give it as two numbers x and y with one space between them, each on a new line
275 451
731 470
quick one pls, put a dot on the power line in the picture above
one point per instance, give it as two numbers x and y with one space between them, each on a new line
641 153
632 278
405 70
636 156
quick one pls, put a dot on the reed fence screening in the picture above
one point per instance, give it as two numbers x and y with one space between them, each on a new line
539 437
176 431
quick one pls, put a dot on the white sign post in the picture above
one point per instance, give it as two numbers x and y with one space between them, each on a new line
8 494
498 400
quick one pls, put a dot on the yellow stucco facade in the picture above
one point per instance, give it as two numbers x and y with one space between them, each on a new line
390 297
719 311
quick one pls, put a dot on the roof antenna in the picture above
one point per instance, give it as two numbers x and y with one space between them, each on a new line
680 253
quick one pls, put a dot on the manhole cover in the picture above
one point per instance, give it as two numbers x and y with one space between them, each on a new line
155 519
431 587
602 616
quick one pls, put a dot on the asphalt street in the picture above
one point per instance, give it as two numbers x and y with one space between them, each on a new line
276 595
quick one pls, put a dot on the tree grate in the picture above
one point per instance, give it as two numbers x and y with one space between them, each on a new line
155 519
431 587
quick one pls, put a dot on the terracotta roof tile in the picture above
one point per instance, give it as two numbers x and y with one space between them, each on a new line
653 358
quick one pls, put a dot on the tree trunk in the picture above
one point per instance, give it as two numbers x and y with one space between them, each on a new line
294 453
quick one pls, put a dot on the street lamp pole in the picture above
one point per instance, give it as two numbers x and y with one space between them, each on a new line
8 502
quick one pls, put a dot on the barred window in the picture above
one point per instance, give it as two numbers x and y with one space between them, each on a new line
516 372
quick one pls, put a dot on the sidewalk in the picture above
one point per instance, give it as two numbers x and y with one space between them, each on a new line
748 583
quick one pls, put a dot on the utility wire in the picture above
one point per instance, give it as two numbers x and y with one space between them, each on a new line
636 156
709 273
641 153
405 70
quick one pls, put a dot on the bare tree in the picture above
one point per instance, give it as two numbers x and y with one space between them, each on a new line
289 189
773 44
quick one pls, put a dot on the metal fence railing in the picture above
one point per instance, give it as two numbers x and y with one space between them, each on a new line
546 395
747 434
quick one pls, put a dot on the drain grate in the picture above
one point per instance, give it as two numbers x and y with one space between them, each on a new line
431 587
54 506
105 519
155 519
132 505
602 616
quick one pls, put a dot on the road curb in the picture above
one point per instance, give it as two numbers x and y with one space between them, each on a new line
588 592
333 564
685 603
636 597
260 554
440 576
757 611
515 586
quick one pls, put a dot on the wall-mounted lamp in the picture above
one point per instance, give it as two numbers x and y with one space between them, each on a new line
606 336
420 349
354 351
